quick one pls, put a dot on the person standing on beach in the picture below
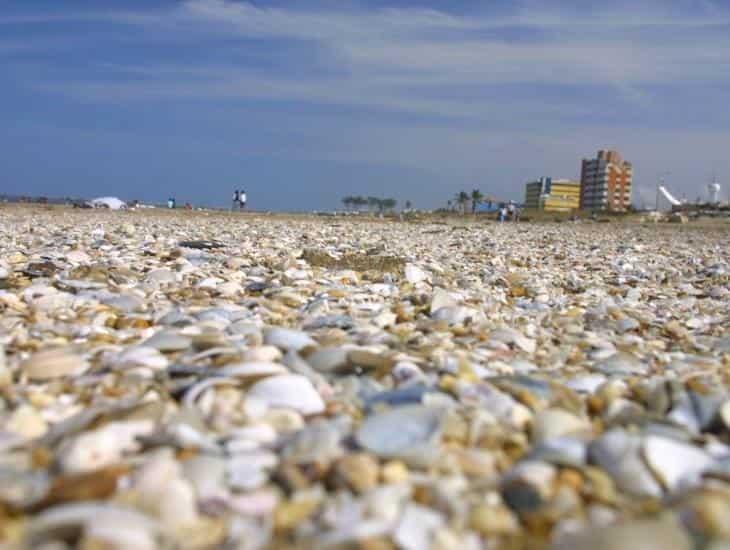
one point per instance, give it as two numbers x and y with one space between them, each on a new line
242 199
502 214
236 203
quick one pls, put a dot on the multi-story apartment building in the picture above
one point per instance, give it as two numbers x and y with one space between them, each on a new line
605 182
552 195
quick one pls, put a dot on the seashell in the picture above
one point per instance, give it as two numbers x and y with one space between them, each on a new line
329 360
196 390
318 442
662 534
441 299
416 527
27 422
104 446
415 274
255 503
53 363
127 303
553 423
117 524
457 315
160 276
673 462
266 354
410 433
619 453
528 485
288 391
344 322
246 473
513 337
167 341
622 364
562 451
287 339
141 356
21 489
252 369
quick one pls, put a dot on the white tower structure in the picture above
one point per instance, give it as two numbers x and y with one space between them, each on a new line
713 191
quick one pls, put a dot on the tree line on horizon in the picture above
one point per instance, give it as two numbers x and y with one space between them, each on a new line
372 203
462 200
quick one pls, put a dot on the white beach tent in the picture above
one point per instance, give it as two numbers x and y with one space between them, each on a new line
112 203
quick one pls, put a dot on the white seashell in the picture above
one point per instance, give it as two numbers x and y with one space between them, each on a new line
257 433
126 302
53 523
210 282
416 527
384 319
457 315
53 363
409 432
142 356
511 336
250 369
161 275
78 257
588 383
538 474
104 446
207 475
229 288
113 530
167 341
674 462
177 506
256 503
26 421
415 274
618 452
552 423
244 476
289 391
440 299
329 359
195 391
287 339
262 353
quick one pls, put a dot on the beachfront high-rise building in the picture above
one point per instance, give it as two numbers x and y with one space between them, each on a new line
605 182
552 195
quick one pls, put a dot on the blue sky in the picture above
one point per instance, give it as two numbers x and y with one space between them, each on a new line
302 103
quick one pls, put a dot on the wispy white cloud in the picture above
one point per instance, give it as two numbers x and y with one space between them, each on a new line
456 75
384 56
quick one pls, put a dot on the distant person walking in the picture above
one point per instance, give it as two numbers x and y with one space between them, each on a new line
242 199
236 204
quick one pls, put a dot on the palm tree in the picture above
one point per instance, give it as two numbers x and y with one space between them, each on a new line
476 198
462 198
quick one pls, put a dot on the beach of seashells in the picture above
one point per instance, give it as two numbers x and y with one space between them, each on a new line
243 381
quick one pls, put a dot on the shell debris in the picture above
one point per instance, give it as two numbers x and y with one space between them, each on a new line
207 380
